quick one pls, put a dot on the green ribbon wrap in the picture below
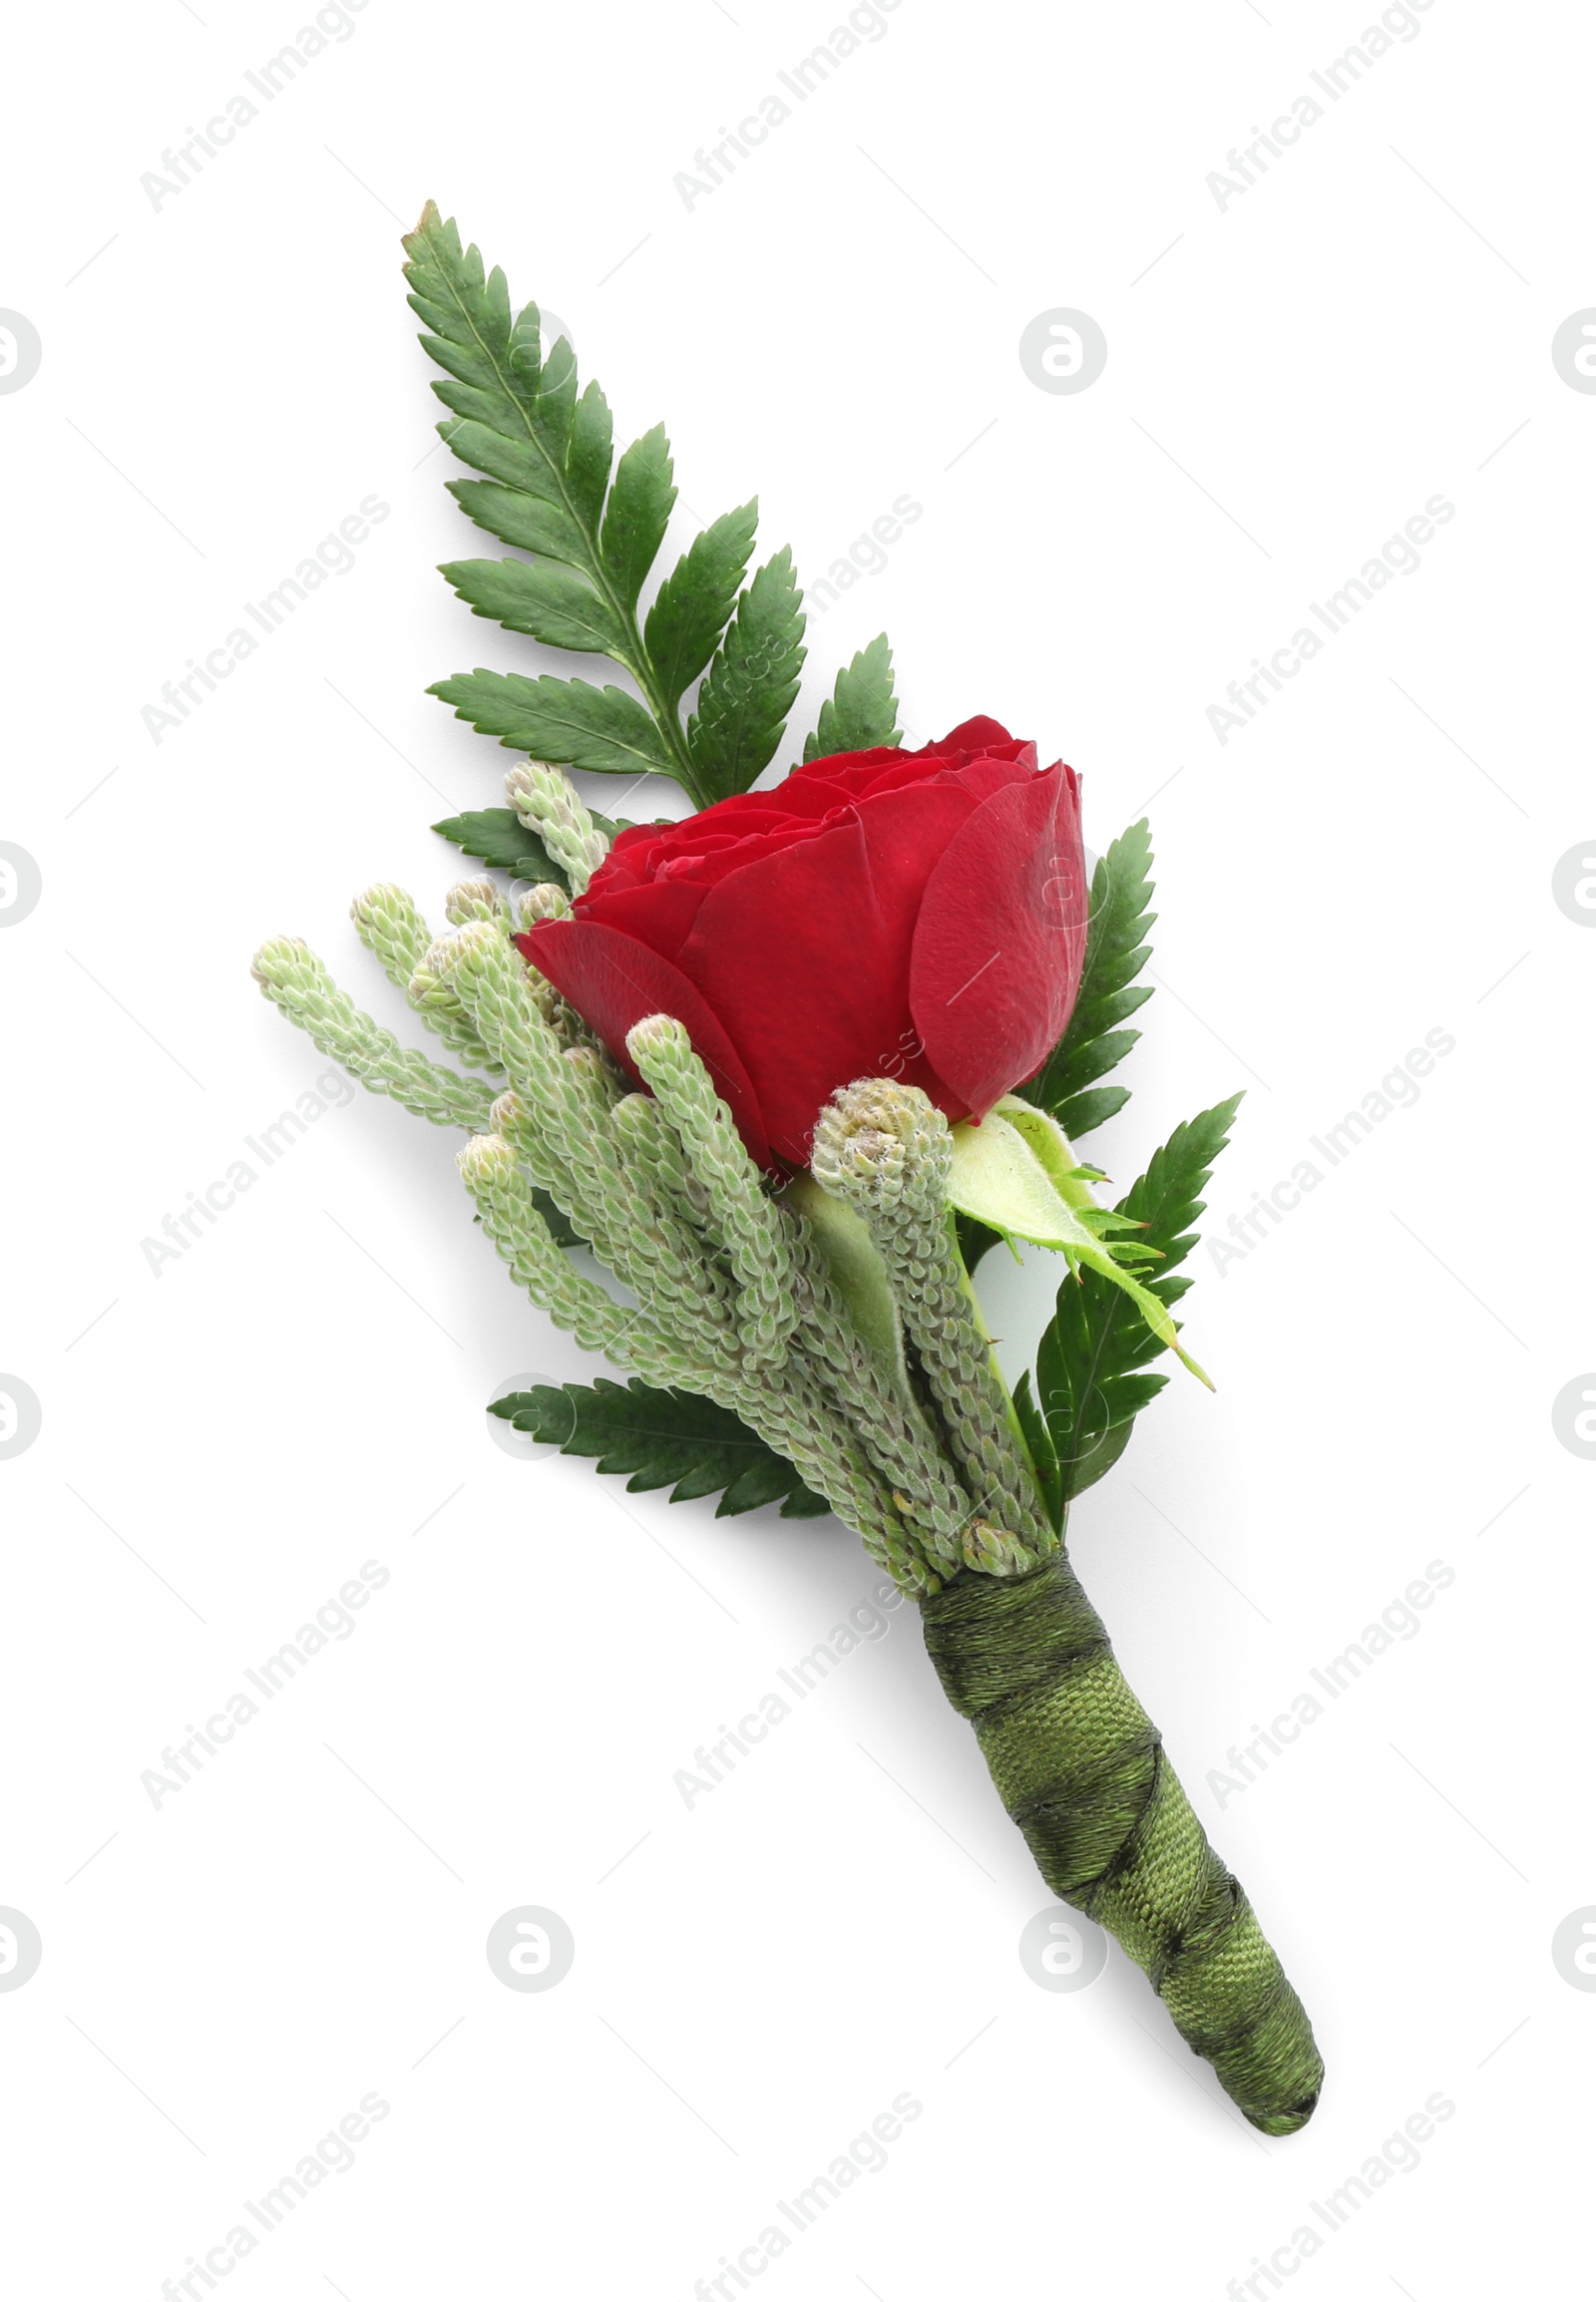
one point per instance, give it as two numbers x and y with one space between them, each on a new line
1082 1769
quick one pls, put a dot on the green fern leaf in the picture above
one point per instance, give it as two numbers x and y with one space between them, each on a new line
497 835
599 730
1040 1446
751 685
527 521
862 711
1093 1374
563 611
1117 950
544 450
663 1438
639 512
696 598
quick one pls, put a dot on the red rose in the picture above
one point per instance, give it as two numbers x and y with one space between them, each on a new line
916 914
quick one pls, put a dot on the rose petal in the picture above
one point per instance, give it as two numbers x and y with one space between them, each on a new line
840 763
822 933
660 914
710 862
612 982
990 983
977 734
986 775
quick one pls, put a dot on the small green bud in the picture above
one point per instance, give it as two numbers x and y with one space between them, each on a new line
658 1035
878 1143
547 901
486 1162
280 961
470 900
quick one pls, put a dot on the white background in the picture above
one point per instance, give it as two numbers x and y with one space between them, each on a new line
223 378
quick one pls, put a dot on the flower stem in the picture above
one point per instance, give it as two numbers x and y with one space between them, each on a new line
1082 1769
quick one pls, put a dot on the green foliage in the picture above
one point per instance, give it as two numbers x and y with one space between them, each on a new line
602 729
862 711
546 451
663 1439
560 611
1117 950
639 512
497 835
694 604
1092 1367
1039 1447
750 686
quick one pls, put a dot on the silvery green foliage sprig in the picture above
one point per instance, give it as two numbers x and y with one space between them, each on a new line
885 1150
736 1285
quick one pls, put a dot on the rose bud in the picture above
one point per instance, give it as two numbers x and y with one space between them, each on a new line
918 915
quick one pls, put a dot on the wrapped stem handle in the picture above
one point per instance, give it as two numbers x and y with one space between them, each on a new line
1082 1769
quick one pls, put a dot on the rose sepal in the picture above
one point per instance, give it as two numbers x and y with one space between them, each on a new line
1016 1172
